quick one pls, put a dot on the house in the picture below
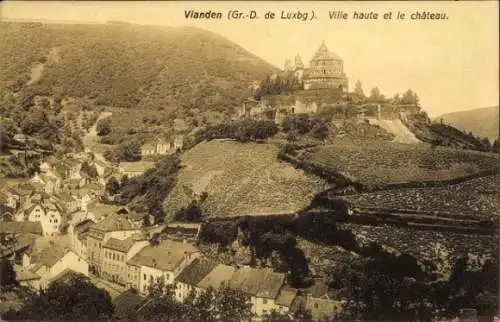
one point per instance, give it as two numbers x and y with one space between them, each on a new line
116 254
17 194
79 237
156 146
134 169
68 201
50 262
217 277
262 285
24 235
166 260
183 230
49 214
318 302
112 226
51 184
190 277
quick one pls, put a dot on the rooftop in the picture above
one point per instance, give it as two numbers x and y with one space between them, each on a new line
122 245
196 271
21 227
166 256
114 222
286 297
141 166
49 256
324 54
220 274
257 282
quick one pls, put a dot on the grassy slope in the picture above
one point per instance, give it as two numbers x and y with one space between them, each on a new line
381 162
241 179
481 122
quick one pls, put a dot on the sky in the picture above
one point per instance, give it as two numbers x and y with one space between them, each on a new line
452 64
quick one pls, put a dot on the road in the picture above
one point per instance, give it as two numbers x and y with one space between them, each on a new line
113 289
91 140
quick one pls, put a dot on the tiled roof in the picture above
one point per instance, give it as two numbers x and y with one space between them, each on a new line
122 245
49 256
324 54
23 241
23 274
196 271
114 222
219 275
21 227
141 166
166 256
84 226
286 297
65 275
258 282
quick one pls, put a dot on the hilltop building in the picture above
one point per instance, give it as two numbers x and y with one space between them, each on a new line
325 71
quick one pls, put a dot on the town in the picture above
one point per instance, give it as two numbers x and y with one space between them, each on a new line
155 173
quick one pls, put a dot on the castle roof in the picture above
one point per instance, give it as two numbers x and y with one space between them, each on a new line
324 54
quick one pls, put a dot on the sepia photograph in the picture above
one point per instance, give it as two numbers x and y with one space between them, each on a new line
233 161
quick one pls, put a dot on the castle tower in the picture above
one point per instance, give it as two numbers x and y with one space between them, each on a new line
326 70
298 62
299 67
288 65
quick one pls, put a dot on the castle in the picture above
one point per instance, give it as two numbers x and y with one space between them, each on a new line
326 71
324 88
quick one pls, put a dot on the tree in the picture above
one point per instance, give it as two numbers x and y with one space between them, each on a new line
7 273
112 186
321 130
375 95
103 127
191 213
358 89
275 316
73 299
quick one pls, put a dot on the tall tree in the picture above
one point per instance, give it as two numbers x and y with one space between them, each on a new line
375 94
358 89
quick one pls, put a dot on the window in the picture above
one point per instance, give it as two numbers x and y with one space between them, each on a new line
316 305
145 277
264 301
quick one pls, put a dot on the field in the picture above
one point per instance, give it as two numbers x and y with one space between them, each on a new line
241 179
439 248
379 162
472 197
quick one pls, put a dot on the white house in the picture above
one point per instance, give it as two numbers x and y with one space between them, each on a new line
263 286
50 262
166 260
135 169
47 213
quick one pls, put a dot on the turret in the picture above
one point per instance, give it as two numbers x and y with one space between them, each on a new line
298 62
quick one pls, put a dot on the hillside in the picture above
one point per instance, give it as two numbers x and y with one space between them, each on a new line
173 71
376 164
240 179
481 122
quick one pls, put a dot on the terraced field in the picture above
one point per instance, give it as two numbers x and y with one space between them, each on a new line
241 179
474 197
440 248
373 163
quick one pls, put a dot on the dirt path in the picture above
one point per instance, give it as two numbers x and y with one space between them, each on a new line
90 140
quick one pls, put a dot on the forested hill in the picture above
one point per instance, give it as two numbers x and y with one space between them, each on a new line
480 121
127 65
